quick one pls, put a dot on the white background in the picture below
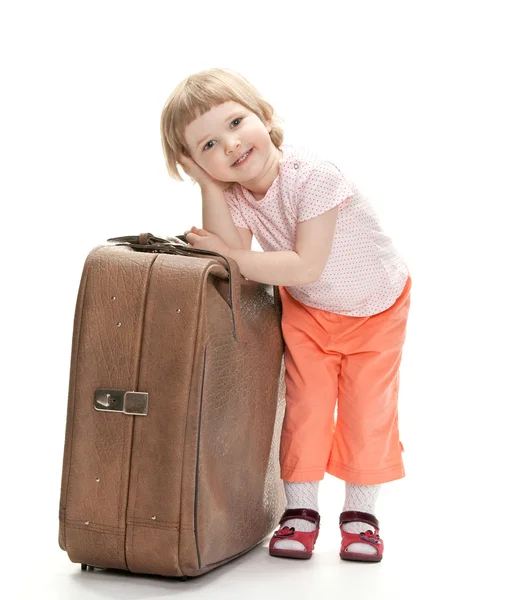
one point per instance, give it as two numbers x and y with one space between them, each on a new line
422 104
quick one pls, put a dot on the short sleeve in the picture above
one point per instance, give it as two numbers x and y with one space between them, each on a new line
234 207
325 188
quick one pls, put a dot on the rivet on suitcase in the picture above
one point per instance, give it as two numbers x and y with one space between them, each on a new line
175 404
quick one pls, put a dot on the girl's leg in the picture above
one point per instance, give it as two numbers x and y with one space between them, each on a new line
361 498
366 447
311 377
299 495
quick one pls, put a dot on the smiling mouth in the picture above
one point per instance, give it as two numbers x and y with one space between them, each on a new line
244 157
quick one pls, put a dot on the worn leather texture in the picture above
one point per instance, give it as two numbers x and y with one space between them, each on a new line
195 482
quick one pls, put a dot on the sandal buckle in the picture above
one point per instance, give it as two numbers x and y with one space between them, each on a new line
373 538
285 532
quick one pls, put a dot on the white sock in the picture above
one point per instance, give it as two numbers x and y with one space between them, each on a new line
361 498
302 494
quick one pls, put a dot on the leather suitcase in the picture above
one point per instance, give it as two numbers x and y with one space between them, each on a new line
175 403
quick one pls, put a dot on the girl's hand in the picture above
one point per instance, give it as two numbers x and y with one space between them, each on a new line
196 173
204 240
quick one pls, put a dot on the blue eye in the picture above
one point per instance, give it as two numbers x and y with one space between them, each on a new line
206 146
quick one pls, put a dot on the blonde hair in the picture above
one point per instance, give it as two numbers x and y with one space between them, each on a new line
196 95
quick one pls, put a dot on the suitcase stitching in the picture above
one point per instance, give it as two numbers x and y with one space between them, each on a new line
147 287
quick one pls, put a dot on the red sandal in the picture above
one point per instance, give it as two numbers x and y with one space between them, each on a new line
366 537
306 538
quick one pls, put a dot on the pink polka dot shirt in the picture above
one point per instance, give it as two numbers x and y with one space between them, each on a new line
364 274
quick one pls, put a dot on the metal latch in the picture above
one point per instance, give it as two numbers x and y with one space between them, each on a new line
130 403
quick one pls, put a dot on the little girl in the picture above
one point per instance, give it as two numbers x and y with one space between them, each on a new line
345 294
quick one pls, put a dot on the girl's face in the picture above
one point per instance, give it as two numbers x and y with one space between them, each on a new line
225 133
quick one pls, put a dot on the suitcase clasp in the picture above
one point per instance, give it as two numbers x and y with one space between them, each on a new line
130 403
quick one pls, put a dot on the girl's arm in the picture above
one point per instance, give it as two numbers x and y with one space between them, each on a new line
275 268
314 239
217 218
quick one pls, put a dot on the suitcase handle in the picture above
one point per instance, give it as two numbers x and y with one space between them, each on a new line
146 242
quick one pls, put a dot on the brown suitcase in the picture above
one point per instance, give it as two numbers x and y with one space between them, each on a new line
176 398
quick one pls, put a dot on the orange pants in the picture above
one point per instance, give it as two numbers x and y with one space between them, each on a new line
356 360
